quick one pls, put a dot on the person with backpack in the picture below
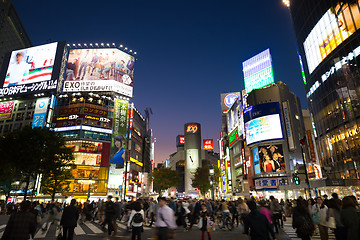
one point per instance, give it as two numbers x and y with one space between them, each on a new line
302 220
136 220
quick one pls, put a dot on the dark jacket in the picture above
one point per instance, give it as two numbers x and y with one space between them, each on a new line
259 225
303 223
20 226
70 216
350 218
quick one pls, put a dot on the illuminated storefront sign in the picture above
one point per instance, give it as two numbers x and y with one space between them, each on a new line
258 71
182 140
342 136
264 183
208 144
95 111
136 162
40 112
192 128
6 110
87 128
233 137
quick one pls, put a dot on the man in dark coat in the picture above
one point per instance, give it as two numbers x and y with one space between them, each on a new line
69 220
258 223
21 224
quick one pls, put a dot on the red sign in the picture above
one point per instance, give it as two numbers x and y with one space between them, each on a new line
6 110
208 144
181 140
192 128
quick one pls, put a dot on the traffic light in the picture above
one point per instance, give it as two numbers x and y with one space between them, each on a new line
296 180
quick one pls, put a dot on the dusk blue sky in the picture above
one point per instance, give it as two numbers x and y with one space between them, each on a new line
189 51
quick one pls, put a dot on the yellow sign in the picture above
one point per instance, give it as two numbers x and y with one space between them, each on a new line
349 133
136 162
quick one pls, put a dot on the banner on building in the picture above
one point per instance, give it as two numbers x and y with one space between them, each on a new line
40 112
6 109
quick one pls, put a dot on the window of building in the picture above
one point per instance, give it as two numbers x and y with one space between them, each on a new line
19 116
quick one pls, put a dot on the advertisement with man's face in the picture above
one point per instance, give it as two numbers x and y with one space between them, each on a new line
30 70
334 27
94 70
271 158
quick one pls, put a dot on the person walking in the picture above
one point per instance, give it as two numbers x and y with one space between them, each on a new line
69 220
259 226
165 220
21 225
204 218
349 217
323 228
302 220
136 221
109 215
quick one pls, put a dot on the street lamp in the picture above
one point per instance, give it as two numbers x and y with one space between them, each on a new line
212 172
287 3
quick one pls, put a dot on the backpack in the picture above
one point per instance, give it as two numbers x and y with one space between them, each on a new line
306 227
138 218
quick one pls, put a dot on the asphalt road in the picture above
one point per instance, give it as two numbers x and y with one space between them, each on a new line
92 231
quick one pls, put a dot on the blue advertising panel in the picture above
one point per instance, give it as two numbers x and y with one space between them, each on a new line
263 123
256 160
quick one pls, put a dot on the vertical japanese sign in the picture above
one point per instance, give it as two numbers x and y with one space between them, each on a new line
40 112
288 125
6 109
118 142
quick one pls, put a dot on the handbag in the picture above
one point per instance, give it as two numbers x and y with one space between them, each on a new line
200 223
284 218
316 218
210 225
331 223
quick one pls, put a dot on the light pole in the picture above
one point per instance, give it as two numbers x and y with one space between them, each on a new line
212 172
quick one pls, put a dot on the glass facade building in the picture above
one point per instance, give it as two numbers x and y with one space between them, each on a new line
327 34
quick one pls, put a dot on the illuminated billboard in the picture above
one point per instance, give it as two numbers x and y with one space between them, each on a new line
118 143
258 71
6 109
263 123
208 144
32 70
333 28
94 70
232 117
271 158
227 100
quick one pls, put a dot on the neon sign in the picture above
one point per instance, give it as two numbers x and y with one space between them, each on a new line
192 128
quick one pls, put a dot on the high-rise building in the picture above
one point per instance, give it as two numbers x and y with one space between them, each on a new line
189 156
328 39
274 126
12 32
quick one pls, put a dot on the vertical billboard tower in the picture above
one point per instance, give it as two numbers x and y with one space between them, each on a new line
192 133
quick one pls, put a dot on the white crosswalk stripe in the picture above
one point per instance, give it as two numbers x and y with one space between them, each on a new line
86 228
93 228
292 232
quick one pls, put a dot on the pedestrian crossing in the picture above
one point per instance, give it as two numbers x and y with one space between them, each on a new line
292 232
82 229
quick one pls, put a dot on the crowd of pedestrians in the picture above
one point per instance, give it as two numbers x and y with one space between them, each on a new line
261 219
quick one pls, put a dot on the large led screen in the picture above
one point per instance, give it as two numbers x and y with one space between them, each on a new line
334 27
263 123
258 71
93 70
32 70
